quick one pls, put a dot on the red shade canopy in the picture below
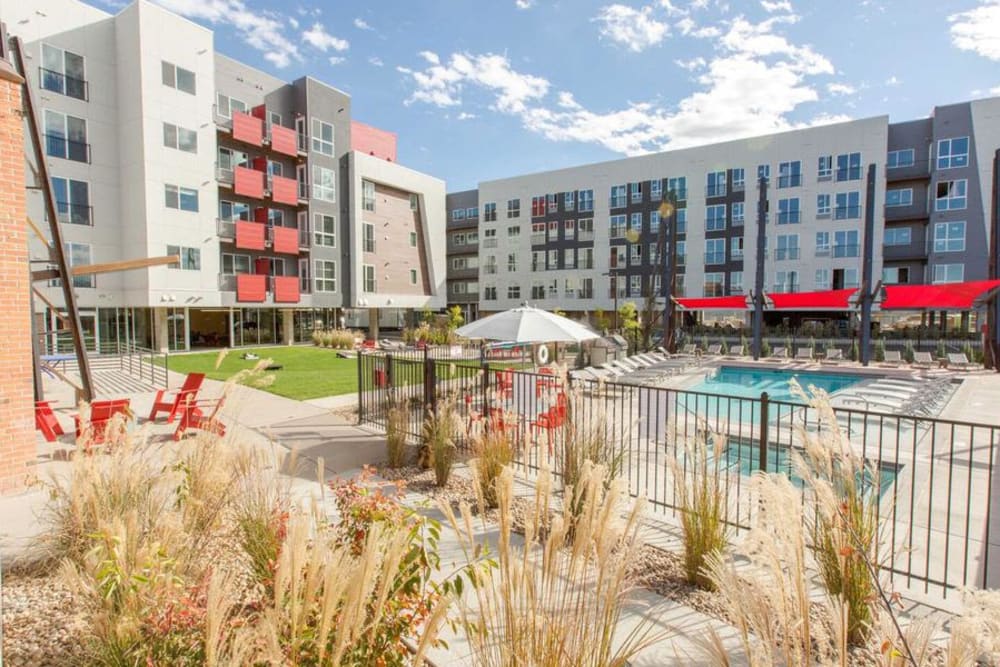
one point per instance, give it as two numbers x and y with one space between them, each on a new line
714 303
837 299
946 296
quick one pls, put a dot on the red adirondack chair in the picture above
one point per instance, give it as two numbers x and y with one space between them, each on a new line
95 429
551 419
195 415
505 383
546 381
46 422
164 402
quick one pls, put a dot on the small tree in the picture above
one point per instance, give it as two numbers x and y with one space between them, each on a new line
455 317
908 351
628 316
855 354
744 345
880 350
942 351
601 320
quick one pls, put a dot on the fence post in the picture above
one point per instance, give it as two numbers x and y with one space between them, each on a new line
390 371
762 457
361 389
484 406
430 390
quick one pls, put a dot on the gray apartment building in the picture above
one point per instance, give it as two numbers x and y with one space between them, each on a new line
589 237
463 251
284 210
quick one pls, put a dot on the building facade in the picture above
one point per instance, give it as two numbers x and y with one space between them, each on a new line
279 205
589 237
463 252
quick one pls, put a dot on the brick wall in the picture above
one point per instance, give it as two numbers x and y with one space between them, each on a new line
17 429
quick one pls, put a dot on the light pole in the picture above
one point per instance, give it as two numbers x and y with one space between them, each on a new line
614 293
668 211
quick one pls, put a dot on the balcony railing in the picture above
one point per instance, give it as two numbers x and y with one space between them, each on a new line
75 214
785 288
59 146
786 253
64 84
489 243
680 194
225 122
738 220
846 250
715 191
849 174
739 186
224 175
916 170
227 282
227 228
906 212
584 236
538 239
823 251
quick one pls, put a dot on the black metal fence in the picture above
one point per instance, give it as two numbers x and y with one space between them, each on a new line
936 481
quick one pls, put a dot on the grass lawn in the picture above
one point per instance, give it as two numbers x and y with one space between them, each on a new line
309 372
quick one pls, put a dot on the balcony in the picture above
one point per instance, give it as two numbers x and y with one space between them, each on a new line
248 129
786 253
284 190
251 288
64 84
75 214
248 182
919 169
285 289
284 140
910 212
59 146
250 235
285 240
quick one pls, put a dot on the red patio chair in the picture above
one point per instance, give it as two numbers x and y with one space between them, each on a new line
46 422
172 405
195 415
544 385
551 419
505 383
94 430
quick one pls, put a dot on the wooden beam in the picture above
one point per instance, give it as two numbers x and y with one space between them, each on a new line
108 267
65 320
39 233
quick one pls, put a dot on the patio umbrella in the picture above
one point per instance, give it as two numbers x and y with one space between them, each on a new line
527 325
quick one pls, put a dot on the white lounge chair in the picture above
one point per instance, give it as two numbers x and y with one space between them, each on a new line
778 354
892 359
714 350
804 354
960 361
834 356
922 360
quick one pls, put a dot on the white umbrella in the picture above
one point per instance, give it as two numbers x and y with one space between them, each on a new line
527 325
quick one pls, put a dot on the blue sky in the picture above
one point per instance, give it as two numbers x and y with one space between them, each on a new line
482 90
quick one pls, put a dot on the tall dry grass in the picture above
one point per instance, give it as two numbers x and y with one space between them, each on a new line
493 450
396 426
442 426
553 601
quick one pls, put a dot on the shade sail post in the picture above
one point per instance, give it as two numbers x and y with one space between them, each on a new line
758 291
991 357
867 267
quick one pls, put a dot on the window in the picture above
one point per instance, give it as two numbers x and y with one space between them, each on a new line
635 226
489 212
490 293
368 278
845 243
553 228
586 200
415 205
898 236
736 282
763 171
656 190
456 214
324 185
790 174
895 275
585 229
585 258
471 213
462 263
951 195
678 187
513 291
538 260
274 118
325 275
569 229
715 218
899 197
617 259
322 137
635 192
822 206
78 254
180 138
513 208
490 264
63 72
184 199
634 254
617 196
569 258
739 179
413 276
949 237
738 215
367 237
178 77
736 247
849 167
537 206
274 168
822 244
716 184
229 159
552 201
513 231
617 227
788 211
225 105
654 222
901 158
953 153
845 278
715 251
190 258
944 273
682 220
413 239
235 264
786 281
324 230
66 137
512 263
552 260
788 247
72 201
822 279
848 205
715 284
368 200
230 211
489 238
537 291
824 168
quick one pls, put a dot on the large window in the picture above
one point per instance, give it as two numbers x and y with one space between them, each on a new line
225 105
552 201
899 197
635 192
736 282
790 174
72 201
849 167
368 278
951 195
66 137
788 247
738 214
898 236
618 195
846 244
232 211
322 137
514 208
235 264
901 158
824 168
786 281
324 184
178 77
715 184
229 159
715 284
789 212
368 237
655 190
822 206
949 273
325 275
715 217
848 206
325 230
677 187
489 212
585 200
190 257
368 200
183 199
949 237
715 251
456 214
822 244
78 254
63 72
739 178
953 153
618 226
180 138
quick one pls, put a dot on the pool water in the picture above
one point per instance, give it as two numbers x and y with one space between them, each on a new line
751 382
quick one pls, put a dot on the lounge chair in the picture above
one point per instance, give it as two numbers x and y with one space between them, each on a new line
196 415
92 425
172 404
804 354
689 350
922 360
833 356
47 422
714 350
778 354
960 361
892 359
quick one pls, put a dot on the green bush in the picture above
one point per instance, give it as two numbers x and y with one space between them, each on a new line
880 350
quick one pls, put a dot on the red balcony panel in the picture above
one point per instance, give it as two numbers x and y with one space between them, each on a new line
251 287
283 140
260 215
262 266
373 141
259 111
284 190
249 182
259 163
286 289
285 240
250 235
247 128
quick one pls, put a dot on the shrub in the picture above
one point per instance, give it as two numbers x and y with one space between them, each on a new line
260 515
698 479
588 438
908 352
396 425
765 348
880 350
493 451
941 351
744 346
439 431
855 353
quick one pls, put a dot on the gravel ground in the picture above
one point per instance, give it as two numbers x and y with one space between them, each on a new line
40 625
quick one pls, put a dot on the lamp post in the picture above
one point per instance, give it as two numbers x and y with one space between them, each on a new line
668 211
614 293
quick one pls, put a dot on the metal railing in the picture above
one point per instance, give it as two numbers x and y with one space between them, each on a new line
145 364
63 83
75 214
59 146
933 476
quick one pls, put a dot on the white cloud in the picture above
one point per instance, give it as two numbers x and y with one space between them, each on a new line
840 89
892 81
361 24
466 116
691 65
336 60
524 4
748 87
772 6
635 29
376 61
978 29
293 22
318 37
262 30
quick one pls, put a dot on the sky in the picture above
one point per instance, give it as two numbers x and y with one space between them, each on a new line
478 90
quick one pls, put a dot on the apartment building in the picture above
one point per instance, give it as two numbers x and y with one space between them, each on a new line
589 237
283 209
463 252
